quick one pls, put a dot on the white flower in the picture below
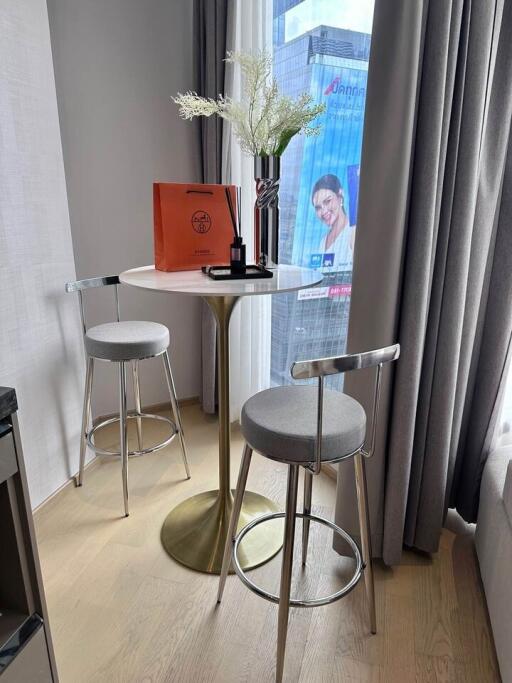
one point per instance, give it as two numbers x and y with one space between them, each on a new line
265 121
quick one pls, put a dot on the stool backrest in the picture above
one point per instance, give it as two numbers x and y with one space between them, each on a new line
322 367
89 283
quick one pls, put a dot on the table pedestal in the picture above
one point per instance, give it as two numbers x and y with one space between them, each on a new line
194 532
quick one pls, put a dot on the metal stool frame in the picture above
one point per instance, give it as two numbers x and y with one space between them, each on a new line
318 368
316 602
131 415
87 435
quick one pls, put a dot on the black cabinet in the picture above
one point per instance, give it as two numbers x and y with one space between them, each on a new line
26 653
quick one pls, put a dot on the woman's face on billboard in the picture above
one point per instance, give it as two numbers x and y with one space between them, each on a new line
328 206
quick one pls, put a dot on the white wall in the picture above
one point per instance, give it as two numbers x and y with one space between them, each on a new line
117 63
40 353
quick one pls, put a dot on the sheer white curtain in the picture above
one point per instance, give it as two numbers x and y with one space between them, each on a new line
249 29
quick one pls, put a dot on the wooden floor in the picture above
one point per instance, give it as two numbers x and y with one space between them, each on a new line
122 611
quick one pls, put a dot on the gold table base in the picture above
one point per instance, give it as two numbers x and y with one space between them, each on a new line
194 532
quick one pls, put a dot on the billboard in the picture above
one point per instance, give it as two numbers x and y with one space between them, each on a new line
326 216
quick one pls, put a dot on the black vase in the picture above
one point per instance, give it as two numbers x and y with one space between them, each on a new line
266 210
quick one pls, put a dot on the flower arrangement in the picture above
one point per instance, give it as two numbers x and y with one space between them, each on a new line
265 121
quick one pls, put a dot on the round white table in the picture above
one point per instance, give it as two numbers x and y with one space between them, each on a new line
194 532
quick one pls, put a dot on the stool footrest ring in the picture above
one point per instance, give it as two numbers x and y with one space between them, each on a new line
316 602
131 416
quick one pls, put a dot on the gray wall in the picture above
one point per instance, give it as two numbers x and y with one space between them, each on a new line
117 62
40 338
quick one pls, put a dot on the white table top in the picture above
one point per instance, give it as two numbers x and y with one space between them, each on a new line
286 279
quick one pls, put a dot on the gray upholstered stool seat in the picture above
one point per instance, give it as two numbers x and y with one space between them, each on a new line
126 340
303 426
281 423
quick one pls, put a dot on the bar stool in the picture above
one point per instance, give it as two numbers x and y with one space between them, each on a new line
302 426
124 342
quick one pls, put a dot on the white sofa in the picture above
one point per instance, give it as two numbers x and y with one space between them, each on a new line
494 548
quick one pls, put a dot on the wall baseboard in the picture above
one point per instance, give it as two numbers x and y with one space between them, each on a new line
154 408
327 469
88 465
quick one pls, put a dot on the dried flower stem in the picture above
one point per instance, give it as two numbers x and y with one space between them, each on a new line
265 121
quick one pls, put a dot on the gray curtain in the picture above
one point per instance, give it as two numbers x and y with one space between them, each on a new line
433 259
210 28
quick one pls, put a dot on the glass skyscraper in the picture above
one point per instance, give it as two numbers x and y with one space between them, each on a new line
331 64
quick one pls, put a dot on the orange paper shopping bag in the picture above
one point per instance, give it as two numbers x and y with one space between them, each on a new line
192 225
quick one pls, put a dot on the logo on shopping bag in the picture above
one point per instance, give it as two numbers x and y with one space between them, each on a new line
201 222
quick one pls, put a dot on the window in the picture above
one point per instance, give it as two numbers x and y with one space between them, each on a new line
503 431
321 47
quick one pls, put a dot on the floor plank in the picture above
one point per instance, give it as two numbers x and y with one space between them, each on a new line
122 611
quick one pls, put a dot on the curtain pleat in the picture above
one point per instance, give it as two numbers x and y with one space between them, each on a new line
223 26
249 30
386 163
210 32
452 323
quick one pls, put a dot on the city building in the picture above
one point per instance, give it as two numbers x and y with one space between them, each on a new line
330 64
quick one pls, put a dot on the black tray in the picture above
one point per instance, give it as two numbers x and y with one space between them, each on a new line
224 273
